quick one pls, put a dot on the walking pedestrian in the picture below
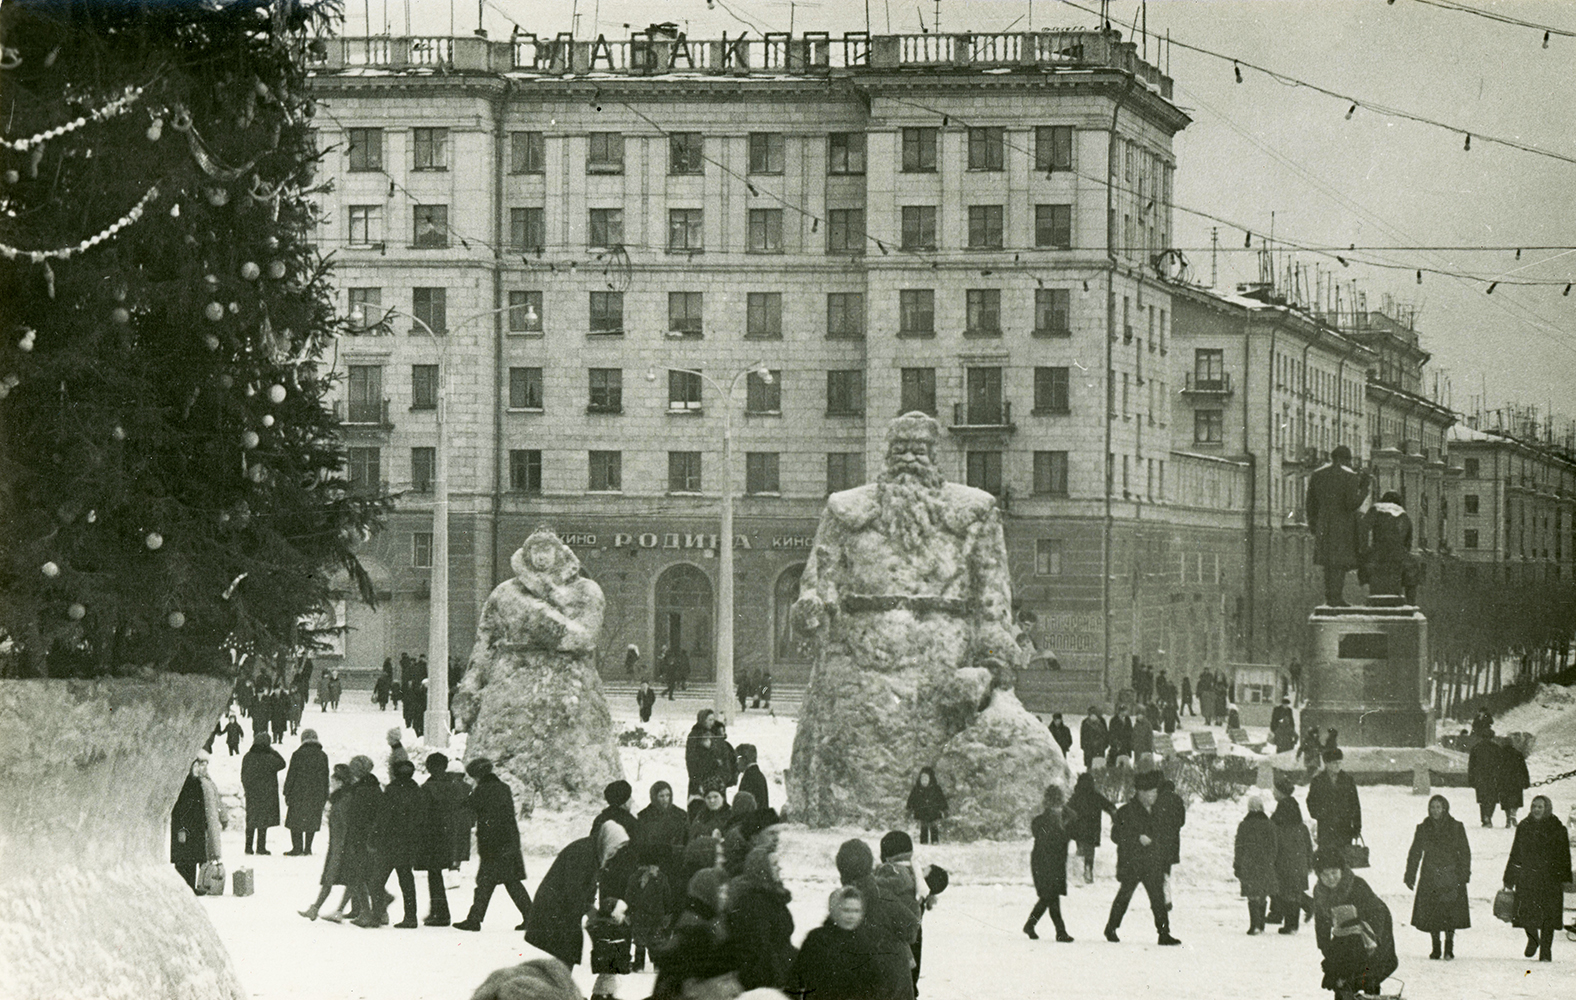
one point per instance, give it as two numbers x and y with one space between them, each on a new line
382 687
927 803
498 845
1061 734
699 760
1048 862
645 699
435 854
1439 866
1333 804
631 660
1140 858
750 777
1085 806
196 822
359 867
1483 771
763 690
232 736
306 792
260 769
1205 690
401 836
1093 737
1293 858
1253 862
339 781
1187 695
1538 868
1353 928
668 671
1171 817
1119 736
1511 780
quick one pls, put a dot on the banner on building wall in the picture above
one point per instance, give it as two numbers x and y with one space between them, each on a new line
682 540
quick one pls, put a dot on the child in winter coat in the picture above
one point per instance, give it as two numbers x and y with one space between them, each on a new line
232 736
649 897
927 803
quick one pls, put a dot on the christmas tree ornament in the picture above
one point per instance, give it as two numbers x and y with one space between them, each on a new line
268 420
276 393
175 211
250 271
119 433
120 316
235 307
272 243
276 269
257 473
156 130
12 177
226 381
211 279
251 390
154 541
92 516
214 311
120 293
249 440
176 619
218 197
212 341
75 612
50 570
26 343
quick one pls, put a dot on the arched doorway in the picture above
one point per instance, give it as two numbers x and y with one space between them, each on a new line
684 617
788 644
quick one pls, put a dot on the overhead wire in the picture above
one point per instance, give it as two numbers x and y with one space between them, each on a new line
1493 15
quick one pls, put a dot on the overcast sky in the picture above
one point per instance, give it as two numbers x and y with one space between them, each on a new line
1264 146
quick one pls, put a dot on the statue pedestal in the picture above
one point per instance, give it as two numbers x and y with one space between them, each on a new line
1367 675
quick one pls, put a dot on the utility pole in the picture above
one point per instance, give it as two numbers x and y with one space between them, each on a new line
1214 256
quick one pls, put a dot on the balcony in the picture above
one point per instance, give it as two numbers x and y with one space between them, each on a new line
1207 386
363 416
982 419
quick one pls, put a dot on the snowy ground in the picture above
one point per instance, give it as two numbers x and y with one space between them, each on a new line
973 943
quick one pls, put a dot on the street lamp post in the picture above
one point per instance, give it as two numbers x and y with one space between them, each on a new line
724 699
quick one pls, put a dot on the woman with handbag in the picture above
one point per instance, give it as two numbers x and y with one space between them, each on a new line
1539 867
195 825
1438 866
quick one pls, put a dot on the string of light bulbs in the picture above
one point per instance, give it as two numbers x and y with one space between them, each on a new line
1492 15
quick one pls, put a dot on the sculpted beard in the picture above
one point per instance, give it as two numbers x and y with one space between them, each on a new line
911 505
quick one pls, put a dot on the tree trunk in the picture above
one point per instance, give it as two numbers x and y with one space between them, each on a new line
89 902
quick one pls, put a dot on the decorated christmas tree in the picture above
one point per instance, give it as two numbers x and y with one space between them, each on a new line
171 485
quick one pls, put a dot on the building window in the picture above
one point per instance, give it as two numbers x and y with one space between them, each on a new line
525 312
766 230
1050 473
366 224
985 227
421 549
527 228
525 388
760 472
1053 226
919 227
424 387
683 472
684 313
1469 538
845 153
605 153
684 229
917 391
766 152
366 149
364 392
1469 466
684 391
606 390
1053 148
916 312
1052 309
366 469
527 153
432 148
1208 426
1469 503
607 312
606 227
845 230
1050 391
763 316
919 150
984 396
525 470
983 312
423 465
844 470
432 226
686 153
1047 557
845 315
607 472
984 471
367 303
1209 367
763 395
985 148
845 393
430 307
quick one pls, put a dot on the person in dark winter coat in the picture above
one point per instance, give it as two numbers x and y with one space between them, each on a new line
333 860
196 822
667 825
1119 738
927 803
232 736
609 929
1186 707
759 923
700 761
1312 752
260 781
617 795
1061 734
1511 780
1333 804
837 961
1439 866
1140 857
1170 818
497 844
1353 927
1283 713
890 920
896 876
359 866
651 899
712 818
1093 737
306 792
1253 862
565 894
1538 868
1086 805
751 779
1052 831
402 832
1293 858
453 792
435 853
646 700
1483 765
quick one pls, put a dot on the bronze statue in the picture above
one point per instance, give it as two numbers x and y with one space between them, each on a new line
1384 539
1335 495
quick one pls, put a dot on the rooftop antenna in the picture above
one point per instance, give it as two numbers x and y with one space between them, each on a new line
1214 256
935 19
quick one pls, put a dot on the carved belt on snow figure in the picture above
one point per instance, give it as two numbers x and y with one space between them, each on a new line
955 606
